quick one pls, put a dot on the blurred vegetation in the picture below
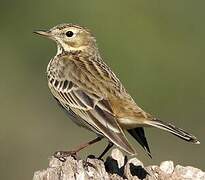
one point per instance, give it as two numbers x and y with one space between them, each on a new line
155 47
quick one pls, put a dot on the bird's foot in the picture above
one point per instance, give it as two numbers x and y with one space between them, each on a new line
87 164
62 155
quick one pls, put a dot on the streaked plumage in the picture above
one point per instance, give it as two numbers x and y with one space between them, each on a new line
91 93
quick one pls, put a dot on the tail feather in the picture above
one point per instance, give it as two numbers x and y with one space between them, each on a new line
139 135
174 130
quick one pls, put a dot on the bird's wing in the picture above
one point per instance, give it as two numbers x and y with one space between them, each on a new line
95 110
139 134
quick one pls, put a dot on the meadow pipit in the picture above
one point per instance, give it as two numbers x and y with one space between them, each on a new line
93 96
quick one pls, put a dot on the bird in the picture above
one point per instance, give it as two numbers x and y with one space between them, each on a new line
93 96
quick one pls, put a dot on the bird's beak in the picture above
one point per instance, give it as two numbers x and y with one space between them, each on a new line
43 33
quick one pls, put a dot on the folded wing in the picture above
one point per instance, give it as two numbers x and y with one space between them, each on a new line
94 110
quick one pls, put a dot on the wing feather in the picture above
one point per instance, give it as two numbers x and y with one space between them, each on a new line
95 110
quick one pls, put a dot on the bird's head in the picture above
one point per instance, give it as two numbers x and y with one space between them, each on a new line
70 37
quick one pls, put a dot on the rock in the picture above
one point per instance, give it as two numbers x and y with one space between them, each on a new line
117 155
167 167
116 167
188 172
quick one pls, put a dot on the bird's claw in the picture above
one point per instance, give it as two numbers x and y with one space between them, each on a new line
87 164
62 155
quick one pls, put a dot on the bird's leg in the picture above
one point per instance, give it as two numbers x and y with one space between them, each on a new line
61 155
88 164
110 144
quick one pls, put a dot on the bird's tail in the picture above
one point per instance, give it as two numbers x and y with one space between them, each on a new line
174 130
139 134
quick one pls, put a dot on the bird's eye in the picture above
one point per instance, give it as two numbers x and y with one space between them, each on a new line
69 33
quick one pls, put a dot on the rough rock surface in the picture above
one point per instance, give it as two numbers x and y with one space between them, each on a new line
116 167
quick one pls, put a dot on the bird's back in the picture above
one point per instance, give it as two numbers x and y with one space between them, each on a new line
91 74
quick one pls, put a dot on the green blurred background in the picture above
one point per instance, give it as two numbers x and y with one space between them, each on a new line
155 47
